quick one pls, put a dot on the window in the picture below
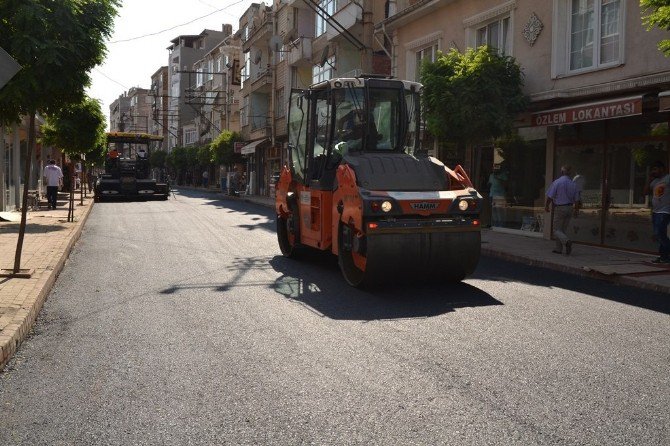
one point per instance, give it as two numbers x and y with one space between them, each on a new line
244 115
429 53
321 23
495 35
280 106
595 33
189 136
210 69
246 69
199 77
325 72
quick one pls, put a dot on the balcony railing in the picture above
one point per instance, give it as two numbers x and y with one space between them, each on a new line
301 51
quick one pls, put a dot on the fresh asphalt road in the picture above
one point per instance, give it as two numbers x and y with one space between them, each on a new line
179 323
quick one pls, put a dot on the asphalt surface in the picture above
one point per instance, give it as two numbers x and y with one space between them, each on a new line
178 322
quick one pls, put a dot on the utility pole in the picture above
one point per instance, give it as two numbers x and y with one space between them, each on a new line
368 30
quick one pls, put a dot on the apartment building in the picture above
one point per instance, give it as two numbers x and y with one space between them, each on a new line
158 97
216 93
119 111
598 89
293 44
184 51
139 111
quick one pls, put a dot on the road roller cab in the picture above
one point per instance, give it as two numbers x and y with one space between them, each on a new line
357 184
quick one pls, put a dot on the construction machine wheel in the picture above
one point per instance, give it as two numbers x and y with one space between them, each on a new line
424 257
345 258
288 233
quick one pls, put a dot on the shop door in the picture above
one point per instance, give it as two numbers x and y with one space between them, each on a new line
627 222
587 171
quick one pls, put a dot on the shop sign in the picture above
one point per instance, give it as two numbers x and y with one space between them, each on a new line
238 147
589 112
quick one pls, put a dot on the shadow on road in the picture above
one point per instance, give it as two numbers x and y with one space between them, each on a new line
497 270
331 297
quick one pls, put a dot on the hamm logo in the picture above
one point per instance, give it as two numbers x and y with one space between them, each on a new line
423 206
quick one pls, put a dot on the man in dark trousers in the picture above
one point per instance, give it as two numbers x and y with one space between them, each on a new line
659 187
54 178
563 194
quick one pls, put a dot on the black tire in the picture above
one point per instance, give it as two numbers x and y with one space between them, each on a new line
352 274
288 234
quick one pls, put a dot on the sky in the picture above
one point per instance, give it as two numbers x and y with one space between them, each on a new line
132 59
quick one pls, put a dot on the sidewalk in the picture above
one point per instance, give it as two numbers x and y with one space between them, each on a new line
623 267
48 241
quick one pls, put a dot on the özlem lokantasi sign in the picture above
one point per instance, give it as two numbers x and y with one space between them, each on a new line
619 108
8 67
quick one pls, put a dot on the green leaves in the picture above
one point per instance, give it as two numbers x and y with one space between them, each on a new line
472 96
657 15
77 128
57 43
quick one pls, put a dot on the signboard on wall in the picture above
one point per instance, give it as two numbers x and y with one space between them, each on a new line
238 147
597 111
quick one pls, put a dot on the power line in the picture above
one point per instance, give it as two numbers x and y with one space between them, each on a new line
178 26
116 82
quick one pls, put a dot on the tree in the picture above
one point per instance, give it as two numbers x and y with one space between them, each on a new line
158 158
77 129
472 96
657 15
223 148
57 43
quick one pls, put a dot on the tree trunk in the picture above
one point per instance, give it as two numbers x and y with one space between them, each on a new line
24 200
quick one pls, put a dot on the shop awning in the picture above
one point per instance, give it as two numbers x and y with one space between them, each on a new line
664 101
251 147
593 111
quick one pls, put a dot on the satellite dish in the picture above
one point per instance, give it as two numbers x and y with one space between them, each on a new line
324 56
276 43
257 57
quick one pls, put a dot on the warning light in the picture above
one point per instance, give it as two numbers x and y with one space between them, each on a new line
475 222
373 225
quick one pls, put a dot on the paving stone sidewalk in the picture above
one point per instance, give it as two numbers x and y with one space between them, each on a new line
48 241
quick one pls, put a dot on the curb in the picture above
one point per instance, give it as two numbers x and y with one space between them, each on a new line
575 271
14 334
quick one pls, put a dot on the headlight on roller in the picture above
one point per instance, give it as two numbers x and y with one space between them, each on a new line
463 205
387 206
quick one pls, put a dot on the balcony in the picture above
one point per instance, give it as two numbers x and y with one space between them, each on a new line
301 52
348 17
259 36
260 128
262 81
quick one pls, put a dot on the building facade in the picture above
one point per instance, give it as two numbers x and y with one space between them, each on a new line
183 53
158 96
596 82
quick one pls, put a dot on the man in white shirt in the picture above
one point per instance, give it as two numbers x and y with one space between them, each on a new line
54 178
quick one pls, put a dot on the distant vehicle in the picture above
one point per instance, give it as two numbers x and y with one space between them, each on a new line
127 170
358 185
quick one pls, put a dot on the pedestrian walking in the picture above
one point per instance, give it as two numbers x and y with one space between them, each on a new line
54 179
563 196
659 187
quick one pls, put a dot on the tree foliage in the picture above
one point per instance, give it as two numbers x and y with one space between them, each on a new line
657 15
158 158
223 148
77 128
472 96
57 43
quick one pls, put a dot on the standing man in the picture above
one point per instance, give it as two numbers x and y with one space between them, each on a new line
564 196
659 186
54 177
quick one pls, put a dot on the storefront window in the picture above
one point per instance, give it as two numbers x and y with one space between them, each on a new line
612 174
511 176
